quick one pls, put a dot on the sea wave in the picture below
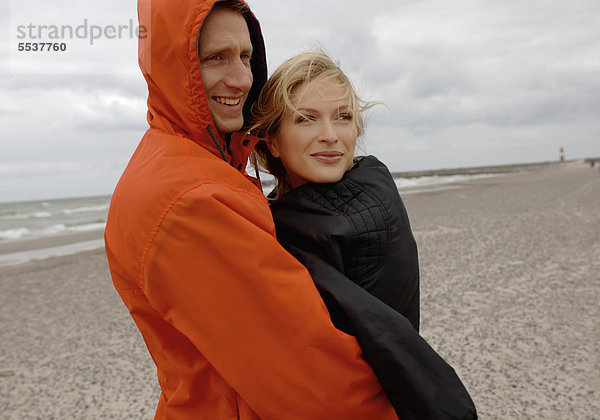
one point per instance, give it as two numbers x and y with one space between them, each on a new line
14 233
56 229
86 209
50 230
33 215
424 181
62 228
87 227
28 220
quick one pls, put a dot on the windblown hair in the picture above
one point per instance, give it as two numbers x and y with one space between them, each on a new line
276 99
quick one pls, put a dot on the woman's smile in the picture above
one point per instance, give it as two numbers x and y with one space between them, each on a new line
328 157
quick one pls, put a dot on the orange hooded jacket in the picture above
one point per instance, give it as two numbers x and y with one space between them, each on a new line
233 323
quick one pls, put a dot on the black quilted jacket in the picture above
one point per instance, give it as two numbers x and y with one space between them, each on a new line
355 239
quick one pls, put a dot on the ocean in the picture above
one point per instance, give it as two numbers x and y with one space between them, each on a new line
417 184
45 228
41 229
35 219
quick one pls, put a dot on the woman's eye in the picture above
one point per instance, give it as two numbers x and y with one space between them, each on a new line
304 118
345 116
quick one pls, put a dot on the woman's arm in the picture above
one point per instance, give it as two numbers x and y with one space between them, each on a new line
418 382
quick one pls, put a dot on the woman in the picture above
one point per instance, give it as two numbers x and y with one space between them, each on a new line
343 218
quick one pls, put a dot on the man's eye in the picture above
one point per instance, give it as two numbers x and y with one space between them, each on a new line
245 58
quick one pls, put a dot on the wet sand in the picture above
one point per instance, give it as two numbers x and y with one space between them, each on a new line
26 245
510 287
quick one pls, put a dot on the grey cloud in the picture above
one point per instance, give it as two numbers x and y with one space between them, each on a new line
467 83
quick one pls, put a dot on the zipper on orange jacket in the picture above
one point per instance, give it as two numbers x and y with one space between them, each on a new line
217 144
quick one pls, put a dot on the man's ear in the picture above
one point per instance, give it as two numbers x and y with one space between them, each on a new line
273 145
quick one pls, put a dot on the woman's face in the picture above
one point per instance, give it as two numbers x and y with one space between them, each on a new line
316 143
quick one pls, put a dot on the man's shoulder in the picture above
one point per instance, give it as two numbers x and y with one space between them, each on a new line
165 169
169 164
168 172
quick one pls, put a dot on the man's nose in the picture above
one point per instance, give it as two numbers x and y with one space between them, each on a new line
239 75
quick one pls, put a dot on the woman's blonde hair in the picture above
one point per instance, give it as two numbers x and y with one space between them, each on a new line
276 99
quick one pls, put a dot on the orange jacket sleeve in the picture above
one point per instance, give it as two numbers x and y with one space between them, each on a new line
215 271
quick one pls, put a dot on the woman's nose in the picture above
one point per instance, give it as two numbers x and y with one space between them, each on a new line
328 134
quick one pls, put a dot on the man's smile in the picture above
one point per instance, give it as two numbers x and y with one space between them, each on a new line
226 101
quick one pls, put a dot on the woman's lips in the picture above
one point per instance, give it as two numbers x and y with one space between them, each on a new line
328 157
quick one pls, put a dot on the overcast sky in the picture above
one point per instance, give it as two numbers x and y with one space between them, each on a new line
465 82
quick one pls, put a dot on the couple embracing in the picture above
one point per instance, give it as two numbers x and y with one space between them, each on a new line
303 305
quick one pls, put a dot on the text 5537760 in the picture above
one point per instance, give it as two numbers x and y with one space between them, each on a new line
42 46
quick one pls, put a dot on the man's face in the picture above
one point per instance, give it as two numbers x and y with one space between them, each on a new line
225 52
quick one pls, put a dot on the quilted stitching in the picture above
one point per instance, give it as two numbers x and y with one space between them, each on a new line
367 215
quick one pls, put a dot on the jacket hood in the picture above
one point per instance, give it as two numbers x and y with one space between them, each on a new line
168 57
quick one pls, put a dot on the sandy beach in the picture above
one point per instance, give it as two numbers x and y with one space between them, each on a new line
510 292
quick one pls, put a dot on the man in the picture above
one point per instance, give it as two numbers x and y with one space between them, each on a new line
233 322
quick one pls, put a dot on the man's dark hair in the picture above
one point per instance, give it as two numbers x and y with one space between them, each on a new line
234 5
